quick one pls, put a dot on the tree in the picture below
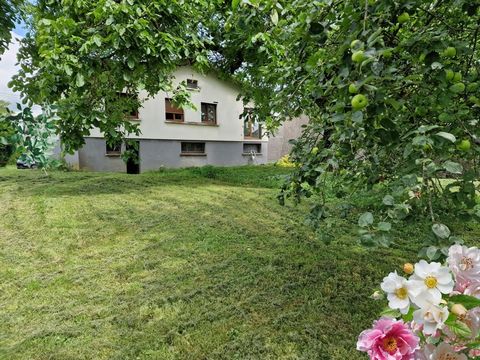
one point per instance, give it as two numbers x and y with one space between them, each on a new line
32 137
6 131
391 89
82 56
3 107
9 15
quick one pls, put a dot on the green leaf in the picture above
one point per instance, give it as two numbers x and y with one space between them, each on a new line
459 328
384 226
408 316
80 81
388 200
441 230
432 252
453 167
392 313
365 219
447 136
274 16
97 40
235 4
469 302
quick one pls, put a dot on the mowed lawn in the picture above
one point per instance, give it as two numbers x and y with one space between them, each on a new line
187 264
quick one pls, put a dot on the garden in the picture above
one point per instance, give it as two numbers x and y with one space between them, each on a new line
363 243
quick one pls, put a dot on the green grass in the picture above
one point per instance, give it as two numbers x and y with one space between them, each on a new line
184 264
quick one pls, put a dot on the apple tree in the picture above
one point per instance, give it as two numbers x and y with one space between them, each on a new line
91 59
392 92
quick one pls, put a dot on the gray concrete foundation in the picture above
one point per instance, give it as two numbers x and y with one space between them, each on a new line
155 154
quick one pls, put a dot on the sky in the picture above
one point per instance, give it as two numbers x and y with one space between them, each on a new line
8 67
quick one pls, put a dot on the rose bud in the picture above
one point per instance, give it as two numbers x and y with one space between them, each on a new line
408 268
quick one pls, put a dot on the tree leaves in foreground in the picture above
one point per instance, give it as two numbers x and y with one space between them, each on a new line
9 15
82 55
392 91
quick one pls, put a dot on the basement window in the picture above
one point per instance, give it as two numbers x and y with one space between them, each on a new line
252 148
193 148
114 149
173 113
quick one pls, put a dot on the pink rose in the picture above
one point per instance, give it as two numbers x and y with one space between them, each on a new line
464 263
473 289
389 339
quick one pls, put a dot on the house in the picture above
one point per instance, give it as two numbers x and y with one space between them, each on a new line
213 134
279 143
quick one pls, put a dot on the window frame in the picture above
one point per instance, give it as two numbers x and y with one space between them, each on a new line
192 84
258 146
134 114
202 112
249 123
113 150
192 152
174 111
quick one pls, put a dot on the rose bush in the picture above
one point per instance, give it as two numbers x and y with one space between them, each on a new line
434 314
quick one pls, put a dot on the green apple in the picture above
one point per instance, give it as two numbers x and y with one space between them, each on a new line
464 145
473 99
314 151
352 89
457 77
444 117
449 74
472 86
427 147
403 18
387 53
457 88
356 45
359 102
358 56
450 52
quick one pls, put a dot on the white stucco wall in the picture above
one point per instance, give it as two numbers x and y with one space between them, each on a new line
229 126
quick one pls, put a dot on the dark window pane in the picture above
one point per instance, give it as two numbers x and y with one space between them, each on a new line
209 113
198 148
113 148
251 127
192 84
255 148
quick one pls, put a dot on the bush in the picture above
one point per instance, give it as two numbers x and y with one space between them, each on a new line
6 151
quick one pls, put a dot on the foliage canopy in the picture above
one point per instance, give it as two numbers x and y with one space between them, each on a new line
392 91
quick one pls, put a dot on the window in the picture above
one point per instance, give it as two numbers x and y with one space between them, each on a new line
114 149
133 112
252 148
251 127
209 113
192 84
193 148
173 113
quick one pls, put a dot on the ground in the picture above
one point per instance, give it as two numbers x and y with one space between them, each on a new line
187 264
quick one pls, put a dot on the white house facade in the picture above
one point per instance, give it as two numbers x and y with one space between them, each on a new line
212 134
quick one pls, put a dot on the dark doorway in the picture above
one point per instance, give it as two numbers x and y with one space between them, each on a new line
133 162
